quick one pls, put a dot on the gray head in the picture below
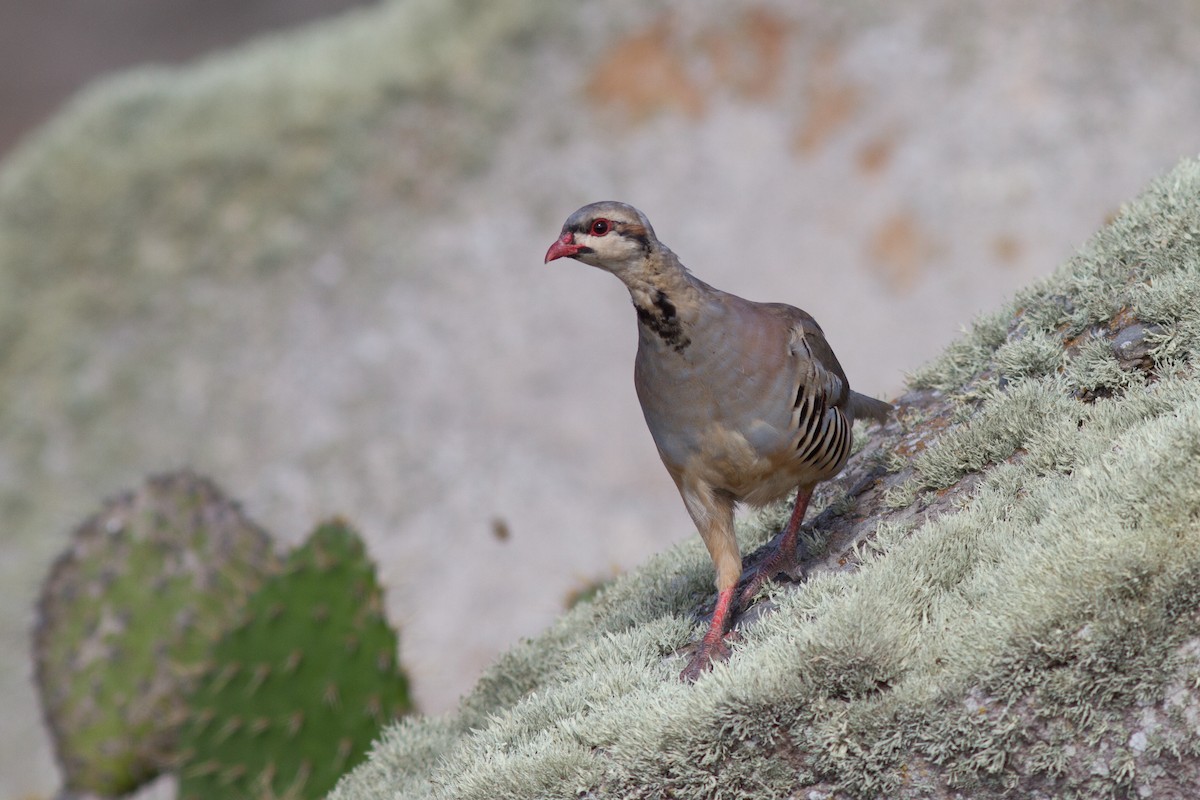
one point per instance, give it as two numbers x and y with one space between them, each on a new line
609 235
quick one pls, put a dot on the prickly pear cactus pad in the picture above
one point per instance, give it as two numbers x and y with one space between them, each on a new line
127 616
299 690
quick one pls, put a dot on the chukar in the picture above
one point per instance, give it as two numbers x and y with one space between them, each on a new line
746 401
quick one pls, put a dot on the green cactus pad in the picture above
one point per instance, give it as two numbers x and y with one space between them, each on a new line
299 690
125 621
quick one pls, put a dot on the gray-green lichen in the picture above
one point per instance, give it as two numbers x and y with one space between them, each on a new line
1024 620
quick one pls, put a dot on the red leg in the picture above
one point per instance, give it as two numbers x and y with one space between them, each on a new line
712 647
783 557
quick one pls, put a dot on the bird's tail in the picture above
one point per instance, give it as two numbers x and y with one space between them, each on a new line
862 406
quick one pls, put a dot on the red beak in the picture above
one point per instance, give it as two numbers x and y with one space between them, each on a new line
563 246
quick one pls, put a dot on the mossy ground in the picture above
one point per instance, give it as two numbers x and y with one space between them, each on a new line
1033 625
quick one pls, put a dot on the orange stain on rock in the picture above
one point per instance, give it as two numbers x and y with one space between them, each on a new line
644 75
661 70
1007 248
832 102
897 251
874 156
749 57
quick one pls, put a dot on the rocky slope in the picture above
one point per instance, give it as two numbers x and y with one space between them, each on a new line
1007 602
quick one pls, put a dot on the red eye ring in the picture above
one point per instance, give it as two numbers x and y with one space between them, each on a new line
600 227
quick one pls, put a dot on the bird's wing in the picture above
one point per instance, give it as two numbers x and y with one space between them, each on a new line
816 367
821 368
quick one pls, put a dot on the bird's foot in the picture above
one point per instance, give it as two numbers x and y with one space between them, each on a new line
785 553
782 559
713 647
709 651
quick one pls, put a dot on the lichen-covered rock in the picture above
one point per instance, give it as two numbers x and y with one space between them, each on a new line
296 692
1005 603
125 621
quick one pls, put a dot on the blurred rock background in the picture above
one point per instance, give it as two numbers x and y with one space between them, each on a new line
311 266
50 48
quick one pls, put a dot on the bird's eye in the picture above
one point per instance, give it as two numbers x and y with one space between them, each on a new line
600 227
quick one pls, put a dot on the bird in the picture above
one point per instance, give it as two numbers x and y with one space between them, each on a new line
745 401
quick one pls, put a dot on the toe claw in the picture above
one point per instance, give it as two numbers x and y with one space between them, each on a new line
706 654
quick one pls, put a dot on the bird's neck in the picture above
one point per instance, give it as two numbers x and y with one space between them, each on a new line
666 298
